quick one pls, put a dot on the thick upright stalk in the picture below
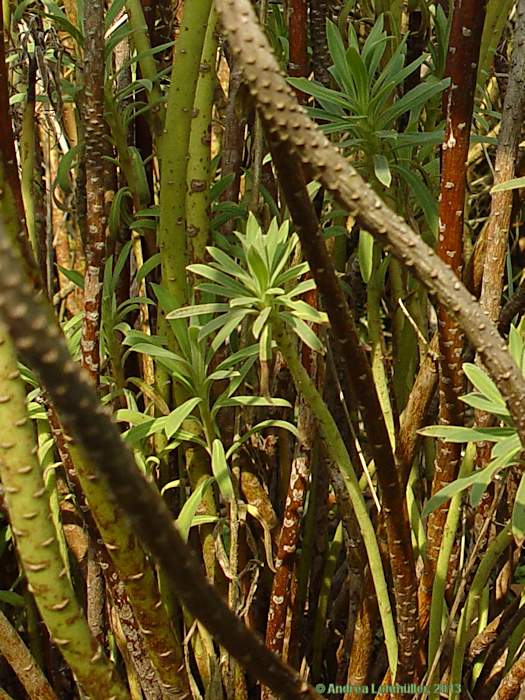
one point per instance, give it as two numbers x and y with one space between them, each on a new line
31 324
464 44
359 376
199 154
298 33
36 538
504 169
172 232
321 60
138 576
336 451
289 535
95 149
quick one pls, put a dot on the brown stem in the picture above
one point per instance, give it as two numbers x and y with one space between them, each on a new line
298 40
360 377
504 169
36 335
464 46
413 416
321 60
95 150
289 536
22 662
496 234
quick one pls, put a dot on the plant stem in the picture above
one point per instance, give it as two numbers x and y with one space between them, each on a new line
336 450
464 46
172 232
199 154
489 560
22 662
94 153
36 538
442 565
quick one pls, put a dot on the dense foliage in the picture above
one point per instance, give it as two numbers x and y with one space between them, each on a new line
262 404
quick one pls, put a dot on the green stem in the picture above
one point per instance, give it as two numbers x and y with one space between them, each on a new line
493 553
337 452
137 574
147 63
326 585
172 234
447 543
36 538
199 155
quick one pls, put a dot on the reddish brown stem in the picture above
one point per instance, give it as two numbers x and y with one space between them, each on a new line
359 373
298 41
289 537
462 59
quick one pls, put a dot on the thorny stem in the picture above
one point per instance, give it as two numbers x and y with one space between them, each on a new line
36 537
360 378
463 50
95 150
37 337
285 118
504 168
22 662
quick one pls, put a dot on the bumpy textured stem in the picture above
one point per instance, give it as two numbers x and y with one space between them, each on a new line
172 233
361 382
199 154
36 538
95 150
289 122
138 576
290 530
321 60
41 343
463 50
504 169
22 662
336 451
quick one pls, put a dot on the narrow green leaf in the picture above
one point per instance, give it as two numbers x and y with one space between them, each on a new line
221 471
518 512
178 416
187 514
483 383
514 184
